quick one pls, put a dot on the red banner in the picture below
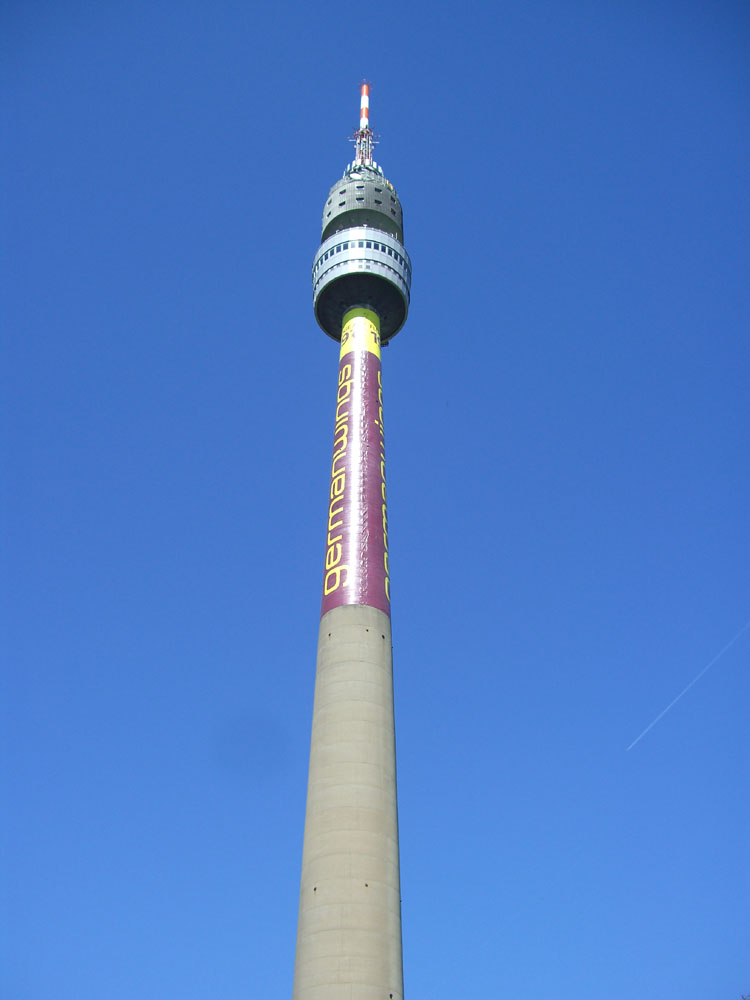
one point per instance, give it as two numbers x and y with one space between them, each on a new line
356 561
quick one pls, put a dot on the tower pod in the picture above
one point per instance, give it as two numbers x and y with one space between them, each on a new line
362 260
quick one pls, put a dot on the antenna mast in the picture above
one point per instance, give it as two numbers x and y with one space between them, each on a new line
364 140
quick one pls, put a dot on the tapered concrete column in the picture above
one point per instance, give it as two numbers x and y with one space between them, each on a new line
349 931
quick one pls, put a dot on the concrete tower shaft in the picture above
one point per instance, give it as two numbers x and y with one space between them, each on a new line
349 931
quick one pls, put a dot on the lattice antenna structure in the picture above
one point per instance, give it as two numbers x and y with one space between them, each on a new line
364 139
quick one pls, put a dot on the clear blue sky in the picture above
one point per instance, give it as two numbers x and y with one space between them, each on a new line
567 424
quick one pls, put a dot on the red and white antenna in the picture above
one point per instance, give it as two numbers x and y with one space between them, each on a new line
364 107
364 140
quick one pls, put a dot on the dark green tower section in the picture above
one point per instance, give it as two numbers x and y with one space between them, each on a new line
363 197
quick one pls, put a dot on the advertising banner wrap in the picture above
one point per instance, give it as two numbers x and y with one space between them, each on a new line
356 560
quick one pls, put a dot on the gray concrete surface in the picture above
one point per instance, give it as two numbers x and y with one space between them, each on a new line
349 931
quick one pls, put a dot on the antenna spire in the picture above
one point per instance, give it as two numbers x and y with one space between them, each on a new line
364 140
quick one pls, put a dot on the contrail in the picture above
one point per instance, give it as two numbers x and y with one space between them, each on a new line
685 690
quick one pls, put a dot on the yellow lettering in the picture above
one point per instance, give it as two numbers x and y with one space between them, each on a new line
337 485
333 555
333 579
340 439
332 513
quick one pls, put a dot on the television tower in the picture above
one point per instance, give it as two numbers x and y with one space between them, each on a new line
349 930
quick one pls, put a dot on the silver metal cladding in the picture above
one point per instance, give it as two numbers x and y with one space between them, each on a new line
361 267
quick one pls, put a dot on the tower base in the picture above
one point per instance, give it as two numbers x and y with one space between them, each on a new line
349 931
